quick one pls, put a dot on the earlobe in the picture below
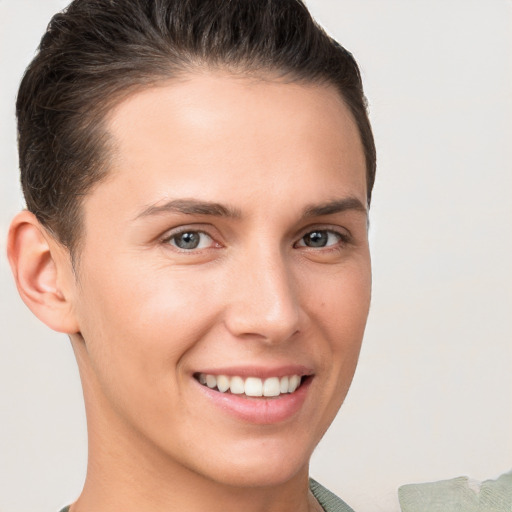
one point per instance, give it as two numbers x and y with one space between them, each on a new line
43 273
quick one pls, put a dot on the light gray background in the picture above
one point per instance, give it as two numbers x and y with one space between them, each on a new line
432 398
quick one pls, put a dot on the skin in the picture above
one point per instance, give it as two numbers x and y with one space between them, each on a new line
145 315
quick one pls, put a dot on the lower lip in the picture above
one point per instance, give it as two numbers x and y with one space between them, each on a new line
259 410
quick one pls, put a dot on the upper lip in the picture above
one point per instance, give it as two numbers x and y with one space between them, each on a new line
263 372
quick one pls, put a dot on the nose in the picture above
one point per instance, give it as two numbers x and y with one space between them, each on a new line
264 302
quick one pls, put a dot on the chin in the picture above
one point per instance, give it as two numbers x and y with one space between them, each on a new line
259 476
268 466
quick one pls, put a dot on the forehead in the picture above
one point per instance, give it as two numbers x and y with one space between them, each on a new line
214 136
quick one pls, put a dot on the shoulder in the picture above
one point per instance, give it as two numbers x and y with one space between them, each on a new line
329 501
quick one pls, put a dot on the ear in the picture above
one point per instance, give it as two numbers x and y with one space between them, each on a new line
43 273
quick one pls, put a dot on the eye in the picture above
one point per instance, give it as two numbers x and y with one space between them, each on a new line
190 240
320 238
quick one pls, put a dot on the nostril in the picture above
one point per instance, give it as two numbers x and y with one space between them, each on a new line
248 323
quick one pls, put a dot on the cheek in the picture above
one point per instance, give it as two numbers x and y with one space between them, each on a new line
342 303
340 313
143 325
137 332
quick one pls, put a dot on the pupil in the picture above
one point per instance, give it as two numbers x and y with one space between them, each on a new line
187 240
316 239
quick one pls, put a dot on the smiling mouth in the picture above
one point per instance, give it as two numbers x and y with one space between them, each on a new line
252 386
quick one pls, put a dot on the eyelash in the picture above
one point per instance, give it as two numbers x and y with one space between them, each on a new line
342 240
173 236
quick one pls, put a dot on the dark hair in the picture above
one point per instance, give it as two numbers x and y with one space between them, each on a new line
96 52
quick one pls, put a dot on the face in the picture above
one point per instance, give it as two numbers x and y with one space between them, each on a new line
224 279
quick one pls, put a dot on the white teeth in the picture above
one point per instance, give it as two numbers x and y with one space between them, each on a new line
211 381
283 385
251 386
222 383
271 387
237 385
293 383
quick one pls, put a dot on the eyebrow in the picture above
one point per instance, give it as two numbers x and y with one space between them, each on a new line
335 206
198 207
190 207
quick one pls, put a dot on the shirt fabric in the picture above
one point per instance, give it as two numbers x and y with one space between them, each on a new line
458 495
329 501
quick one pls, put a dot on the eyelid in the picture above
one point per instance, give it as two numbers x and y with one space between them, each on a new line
343 234
338 230
166 238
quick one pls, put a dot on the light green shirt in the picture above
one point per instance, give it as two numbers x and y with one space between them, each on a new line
455 495
329 501
458 495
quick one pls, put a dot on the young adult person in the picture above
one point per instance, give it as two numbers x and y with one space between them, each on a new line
197 176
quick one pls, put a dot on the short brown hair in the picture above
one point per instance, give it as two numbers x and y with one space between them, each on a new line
97 51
